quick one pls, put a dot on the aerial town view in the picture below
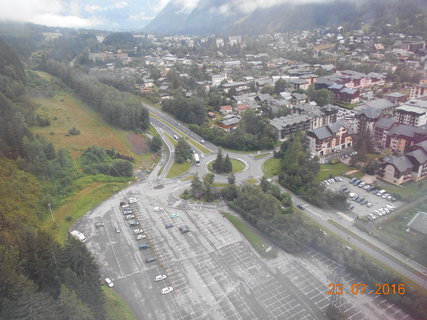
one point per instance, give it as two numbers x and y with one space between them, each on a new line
201 159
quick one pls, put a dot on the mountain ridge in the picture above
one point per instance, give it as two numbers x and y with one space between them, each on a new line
207 17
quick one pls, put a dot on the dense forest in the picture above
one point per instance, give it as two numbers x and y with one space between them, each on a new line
118 108
39 279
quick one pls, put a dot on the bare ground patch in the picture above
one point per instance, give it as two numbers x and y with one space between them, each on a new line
139 144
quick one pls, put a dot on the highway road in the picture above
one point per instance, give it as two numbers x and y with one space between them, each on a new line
253 169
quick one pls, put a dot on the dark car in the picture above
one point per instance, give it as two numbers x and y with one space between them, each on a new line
299 206
168 225
357 182
150 259
352 180
184 229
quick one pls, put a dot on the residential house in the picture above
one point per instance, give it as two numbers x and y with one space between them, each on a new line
287 125
419 90
380 129
410 166
411 115
299 84
400 138
242 108
212 115
218 78
311 78
226 109
230 123
366 119
348 95
330 138
396 97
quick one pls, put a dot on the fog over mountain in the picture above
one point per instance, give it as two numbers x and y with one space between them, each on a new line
260 16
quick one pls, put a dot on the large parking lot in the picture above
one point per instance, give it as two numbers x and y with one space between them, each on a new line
364 203
214 272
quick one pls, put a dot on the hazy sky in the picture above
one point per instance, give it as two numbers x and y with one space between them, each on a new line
110 14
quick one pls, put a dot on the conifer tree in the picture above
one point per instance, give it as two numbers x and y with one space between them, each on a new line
72 306
227 166
217 165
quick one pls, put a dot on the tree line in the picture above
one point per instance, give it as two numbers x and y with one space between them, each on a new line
298 170
118 108
42 280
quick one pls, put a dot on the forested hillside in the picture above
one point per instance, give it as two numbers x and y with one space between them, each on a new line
39 279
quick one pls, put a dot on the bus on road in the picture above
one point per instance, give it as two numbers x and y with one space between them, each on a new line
197 159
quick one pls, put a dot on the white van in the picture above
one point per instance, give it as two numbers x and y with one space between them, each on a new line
78 235
157 209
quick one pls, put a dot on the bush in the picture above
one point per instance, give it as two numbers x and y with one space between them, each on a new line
73 131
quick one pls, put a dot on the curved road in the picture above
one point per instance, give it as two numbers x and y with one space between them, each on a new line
253 169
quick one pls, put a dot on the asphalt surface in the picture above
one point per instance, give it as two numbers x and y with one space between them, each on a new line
215 273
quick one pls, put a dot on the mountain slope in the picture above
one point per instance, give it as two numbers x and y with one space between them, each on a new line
220 17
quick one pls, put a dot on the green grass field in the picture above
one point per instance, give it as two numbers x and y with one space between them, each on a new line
91 194
236 164
116 307
409 191
271 167
262 155
66 111
179 169
250 235
327 170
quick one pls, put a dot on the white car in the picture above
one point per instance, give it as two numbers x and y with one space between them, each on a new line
125 205
137 231
167 290
109 282
132 200
160 277
129 217
140 236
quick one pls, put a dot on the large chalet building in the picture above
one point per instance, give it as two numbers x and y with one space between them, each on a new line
330 138
410 166
305 117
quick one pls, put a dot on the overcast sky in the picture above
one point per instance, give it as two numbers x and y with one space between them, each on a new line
110 14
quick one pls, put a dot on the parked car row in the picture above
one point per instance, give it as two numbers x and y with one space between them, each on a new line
381 212
327 182
139 232
373 189
348 155
359 199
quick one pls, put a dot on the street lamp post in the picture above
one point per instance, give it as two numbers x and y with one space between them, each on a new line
51 214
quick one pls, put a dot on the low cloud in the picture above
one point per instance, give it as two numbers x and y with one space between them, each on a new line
56 13
141 16
248 6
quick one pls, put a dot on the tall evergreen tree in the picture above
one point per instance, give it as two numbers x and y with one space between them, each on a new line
32 306
227 166
217 165
78 258
72 306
